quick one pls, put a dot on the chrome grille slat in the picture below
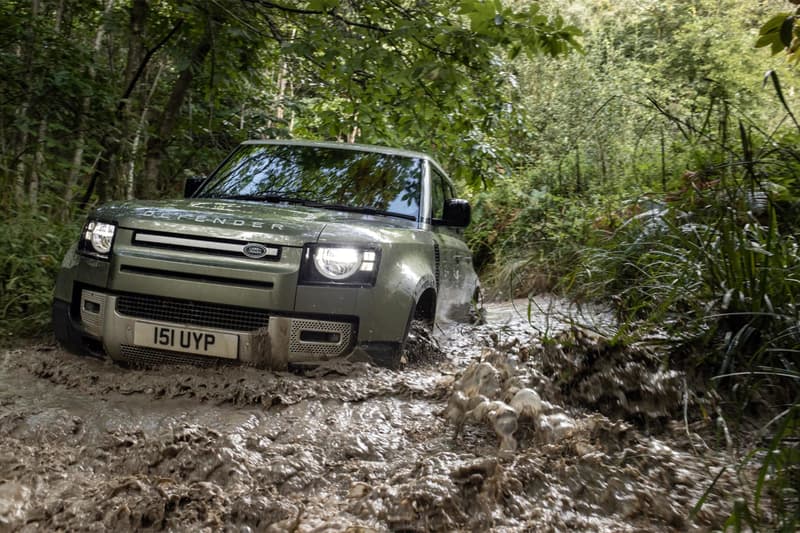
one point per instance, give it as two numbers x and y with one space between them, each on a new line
205 245
194 313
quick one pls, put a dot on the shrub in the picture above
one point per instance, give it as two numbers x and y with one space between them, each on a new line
33 246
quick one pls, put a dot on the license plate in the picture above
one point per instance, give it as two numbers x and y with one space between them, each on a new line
186 340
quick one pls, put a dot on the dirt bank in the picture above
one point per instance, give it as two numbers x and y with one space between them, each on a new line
88 445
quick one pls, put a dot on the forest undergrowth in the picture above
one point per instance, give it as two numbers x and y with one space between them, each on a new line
709 269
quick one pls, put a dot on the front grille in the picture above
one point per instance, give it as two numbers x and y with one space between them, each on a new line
149 357
186 276
194 313
204 245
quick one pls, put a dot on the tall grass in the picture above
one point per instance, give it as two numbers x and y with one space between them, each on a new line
717 269
526 239
32 247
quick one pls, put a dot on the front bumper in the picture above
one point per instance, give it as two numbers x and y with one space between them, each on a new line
144 330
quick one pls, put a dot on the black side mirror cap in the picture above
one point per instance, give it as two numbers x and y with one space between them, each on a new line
191 185
457 213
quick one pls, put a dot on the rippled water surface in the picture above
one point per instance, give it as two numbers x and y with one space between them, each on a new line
88 445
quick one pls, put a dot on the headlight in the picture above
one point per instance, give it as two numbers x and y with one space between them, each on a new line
337 263
342 265
97 239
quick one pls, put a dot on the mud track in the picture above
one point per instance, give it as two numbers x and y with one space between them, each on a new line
88 445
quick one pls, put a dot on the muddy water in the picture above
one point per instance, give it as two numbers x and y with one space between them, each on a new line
88 445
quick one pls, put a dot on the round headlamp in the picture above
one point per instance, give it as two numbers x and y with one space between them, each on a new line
337 263
102 235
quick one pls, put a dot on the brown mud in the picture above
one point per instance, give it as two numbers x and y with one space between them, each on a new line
89 445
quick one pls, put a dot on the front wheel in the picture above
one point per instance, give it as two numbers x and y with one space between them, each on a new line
421 345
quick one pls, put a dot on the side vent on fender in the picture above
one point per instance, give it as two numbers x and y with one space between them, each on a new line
437 260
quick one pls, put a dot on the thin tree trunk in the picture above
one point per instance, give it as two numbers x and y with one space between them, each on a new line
148 186
663 162
292 115
34 180
109 165
603 169
130 184
38 165
19 179
110 145
23 169
351 136
283 83
80 142
280 111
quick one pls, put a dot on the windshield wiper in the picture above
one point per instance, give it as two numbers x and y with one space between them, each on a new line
363 209
269 197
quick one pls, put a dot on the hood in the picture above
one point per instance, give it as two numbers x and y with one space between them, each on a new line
284 224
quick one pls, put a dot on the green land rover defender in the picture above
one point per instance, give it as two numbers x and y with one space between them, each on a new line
290 252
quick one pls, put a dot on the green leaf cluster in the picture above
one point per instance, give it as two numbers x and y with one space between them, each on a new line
782 33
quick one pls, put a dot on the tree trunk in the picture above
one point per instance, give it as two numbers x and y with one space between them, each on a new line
80 142
130 182
23 169
663 162
157 144
22 147
109 163
101 175
283 83
603 168
34 180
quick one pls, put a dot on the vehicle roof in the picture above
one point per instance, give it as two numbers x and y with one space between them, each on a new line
347 146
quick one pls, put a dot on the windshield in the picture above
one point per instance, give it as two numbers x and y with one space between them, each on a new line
321 176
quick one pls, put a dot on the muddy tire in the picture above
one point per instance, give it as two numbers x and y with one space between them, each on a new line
477 313
387 355
421 346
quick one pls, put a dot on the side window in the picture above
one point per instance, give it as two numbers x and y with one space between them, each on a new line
440 191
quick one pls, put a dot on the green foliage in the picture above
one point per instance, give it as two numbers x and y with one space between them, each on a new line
107 99
32 251
662 172
525 239
427 76
623 160
782 33
715 269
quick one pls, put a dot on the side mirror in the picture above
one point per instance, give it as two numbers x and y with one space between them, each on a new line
457 213
191 185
